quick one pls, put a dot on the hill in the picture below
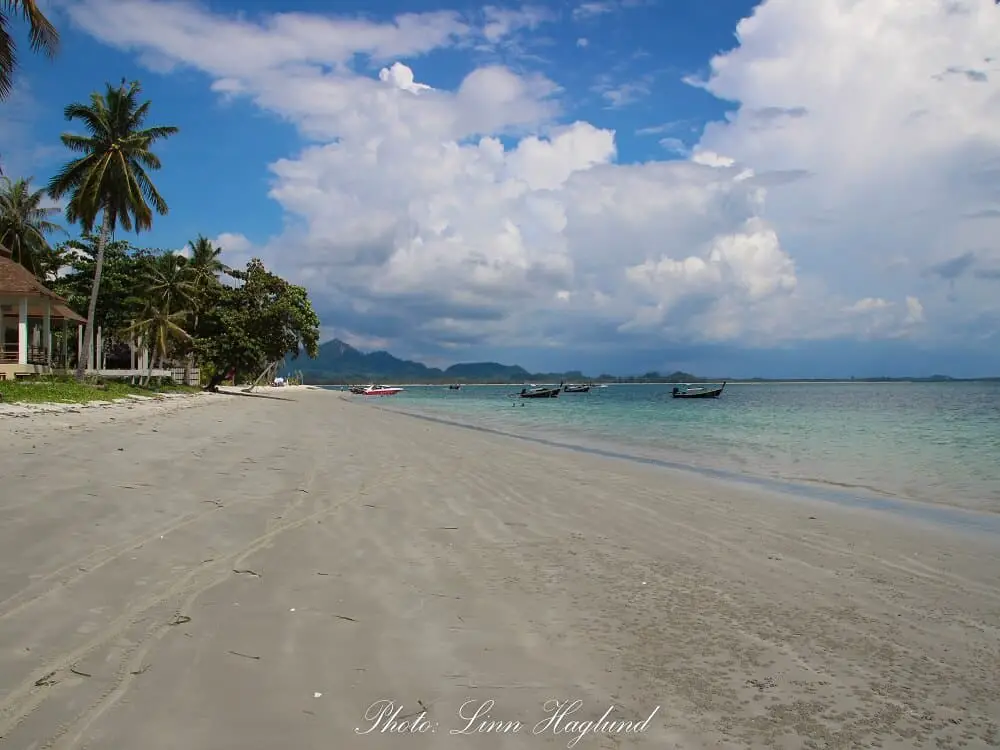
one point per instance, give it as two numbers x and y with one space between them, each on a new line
339 362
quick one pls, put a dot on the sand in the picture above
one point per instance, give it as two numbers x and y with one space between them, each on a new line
228 572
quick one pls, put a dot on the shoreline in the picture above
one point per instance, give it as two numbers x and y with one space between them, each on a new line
828 490
261 571
950 515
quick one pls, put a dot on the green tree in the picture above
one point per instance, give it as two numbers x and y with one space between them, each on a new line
260 320
42 37
159 329
206 268
126 271
170 283
110 178
205 261
24 224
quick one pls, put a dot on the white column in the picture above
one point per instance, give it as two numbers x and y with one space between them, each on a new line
22 331
79 342
47 332
65 343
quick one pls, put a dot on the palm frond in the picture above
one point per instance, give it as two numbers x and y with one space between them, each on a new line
42 35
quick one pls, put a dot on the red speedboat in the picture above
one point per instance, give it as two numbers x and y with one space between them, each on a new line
380 390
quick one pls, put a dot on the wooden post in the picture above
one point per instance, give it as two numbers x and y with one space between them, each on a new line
65 344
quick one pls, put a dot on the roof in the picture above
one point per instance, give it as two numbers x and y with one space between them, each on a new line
16 280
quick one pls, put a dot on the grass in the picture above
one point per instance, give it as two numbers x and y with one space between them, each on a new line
64 390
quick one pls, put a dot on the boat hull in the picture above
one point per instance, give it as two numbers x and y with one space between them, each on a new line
551 393
709 393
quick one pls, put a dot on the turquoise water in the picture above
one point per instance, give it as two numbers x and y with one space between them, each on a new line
933 442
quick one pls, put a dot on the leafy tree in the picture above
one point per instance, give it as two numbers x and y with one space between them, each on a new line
123 290
42 36
260 320
24 222
110 177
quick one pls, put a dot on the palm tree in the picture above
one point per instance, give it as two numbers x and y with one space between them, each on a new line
159 327
171 282
206 267
42 36
24 222
110 178
205 260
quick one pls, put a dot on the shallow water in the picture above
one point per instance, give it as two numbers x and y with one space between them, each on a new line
932 442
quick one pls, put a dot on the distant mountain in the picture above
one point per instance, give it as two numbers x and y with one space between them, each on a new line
339 362
487 372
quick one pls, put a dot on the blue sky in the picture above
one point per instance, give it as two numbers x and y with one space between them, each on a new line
747 188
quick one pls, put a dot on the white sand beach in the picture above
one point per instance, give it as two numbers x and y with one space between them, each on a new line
227 572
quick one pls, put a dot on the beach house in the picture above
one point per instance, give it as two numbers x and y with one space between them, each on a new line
28 314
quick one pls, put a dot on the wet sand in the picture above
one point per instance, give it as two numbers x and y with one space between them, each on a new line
242 572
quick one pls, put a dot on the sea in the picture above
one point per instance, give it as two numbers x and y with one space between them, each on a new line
934 443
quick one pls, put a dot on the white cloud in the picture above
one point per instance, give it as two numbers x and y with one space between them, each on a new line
890 110
621 94
501 23
592 9
674 145
582 42
861 139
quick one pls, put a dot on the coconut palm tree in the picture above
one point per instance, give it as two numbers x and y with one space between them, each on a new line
206 267
24 222
110 178
204 259
42 37
159 328
171 283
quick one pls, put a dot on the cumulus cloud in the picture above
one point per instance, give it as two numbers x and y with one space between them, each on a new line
890 109
857 159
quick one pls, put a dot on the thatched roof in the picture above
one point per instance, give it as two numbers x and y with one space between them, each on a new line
18 281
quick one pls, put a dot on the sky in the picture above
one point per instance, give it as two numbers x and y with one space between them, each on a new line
776 188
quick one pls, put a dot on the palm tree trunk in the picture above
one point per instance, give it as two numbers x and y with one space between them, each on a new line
189 362
154 361
88 337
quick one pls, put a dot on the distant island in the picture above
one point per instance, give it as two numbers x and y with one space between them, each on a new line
340 363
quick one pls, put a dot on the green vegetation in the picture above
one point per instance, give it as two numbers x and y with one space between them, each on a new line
188 311
24 224
64 390
110 178
42 37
